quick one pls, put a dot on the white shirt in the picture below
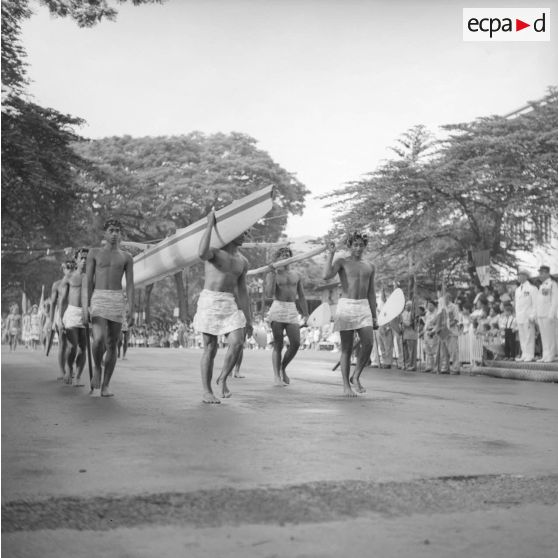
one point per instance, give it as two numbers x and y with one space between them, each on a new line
525 300
507 322
547 299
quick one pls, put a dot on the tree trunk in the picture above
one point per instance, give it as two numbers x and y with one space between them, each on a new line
148 290
180 293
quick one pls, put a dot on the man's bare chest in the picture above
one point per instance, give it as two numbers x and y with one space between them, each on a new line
233 265
109 261
357 270
286 280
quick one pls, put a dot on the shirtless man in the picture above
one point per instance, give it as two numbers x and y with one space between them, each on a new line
105 268
356 309
284 285
58 289
72 320
13 325
218 313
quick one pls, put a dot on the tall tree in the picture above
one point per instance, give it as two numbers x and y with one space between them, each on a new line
40 192
157 185
160 184
433 202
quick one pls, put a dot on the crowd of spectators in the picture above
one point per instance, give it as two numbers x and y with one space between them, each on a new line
439 333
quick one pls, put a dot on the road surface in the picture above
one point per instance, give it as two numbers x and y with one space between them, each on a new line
422 465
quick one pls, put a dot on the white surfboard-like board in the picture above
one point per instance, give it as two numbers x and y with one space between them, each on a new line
283 263
260 335
181 249
393 306
321 316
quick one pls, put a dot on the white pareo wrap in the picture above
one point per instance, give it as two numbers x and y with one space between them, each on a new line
283 312
108 305
218 313
73 317
352 314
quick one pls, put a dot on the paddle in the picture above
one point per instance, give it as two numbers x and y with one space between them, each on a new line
88 345
50 340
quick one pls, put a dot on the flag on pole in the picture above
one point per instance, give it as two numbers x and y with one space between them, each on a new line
481 260
23 303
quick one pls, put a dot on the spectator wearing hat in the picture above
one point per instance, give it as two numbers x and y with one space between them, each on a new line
546 309
525 315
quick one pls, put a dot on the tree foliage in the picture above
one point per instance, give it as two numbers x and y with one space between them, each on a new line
156 185
436 200
40 190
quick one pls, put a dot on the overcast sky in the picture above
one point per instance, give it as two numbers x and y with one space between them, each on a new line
325 86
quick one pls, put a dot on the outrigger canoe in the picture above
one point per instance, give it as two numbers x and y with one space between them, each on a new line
181 249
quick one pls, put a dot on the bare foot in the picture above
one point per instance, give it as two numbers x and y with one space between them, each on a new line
286 379
358 386
208 397
60 377
96 380
348 392
278 382
105 392
225 391
238 376
78 382
68 378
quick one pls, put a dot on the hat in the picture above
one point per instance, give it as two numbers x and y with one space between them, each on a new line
544 268
523 271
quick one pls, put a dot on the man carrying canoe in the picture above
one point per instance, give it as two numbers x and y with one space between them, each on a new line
218 313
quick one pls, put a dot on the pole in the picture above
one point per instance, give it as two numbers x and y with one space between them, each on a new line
88 345
50 340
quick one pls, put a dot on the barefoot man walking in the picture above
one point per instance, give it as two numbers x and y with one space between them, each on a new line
58 289
218 313
284 286
72 320
105 268
356 309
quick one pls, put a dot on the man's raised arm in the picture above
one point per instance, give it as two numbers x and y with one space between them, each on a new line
331 268
205 252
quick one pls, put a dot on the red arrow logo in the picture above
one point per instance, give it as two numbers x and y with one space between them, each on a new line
519 25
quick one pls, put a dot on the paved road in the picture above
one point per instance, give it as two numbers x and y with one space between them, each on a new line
420 465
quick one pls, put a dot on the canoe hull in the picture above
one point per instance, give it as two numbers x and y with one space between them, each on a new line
181 249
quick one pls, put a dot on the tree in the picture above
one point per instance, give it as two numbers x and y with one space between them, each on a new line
435 201
157 185
40 192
